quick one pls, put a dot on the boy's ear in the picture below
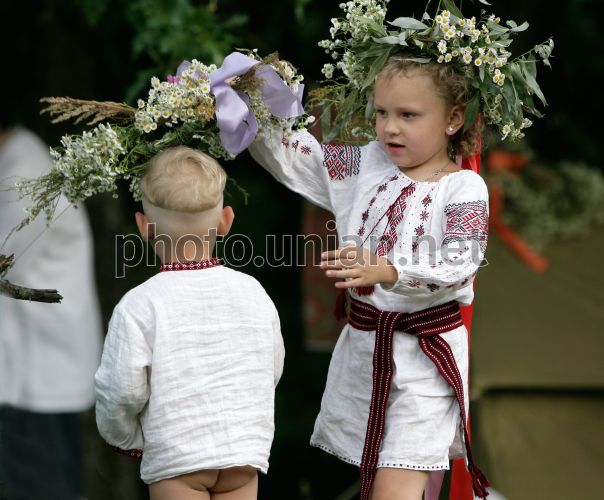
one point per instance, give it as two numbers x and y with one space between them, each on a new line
457 117
226 221
144 228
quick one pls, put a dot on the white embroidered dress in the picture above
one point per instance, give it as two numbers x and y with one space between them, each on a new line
188 372
435 234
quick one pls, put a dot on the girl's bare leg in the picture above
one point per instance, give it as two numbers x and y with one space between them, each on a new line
398 484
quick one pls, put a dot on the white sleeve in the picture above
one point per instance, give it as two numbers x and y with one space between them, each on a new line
279 349
454 261
321 173
121 382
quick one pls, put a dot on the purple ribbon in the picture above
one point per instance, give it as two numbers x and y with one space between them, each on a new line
234 115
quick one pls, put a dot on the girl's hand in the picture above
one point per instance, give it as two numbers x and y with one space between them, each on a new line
363 267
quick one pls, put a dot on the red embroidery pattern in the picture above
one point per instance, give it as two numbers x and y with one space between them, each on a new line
467 221
304 148
134 453
341 161
395 215
191 265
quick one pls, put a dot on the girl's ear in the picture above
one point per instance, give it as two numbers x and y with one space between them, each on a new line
457 117
144 228
226 221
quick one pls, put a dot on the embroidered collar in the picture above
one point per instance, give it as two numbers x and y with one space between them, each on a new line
191 265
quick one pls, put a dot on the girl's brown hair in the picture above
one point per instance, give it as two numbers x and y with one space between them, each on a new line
452 86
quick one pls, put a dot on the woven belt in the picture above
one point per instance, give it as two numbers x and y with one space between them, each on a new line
426 325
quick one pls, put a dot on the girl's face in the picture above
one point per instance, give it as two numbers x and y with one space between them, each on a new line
412 120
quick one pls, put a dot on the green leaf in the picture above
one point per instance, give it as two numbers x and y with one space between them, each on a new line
509 94
471 112
408 23
390 39
544 50
419 43
421 60
516 28
375 68
451 7
496 28
529 70
369 109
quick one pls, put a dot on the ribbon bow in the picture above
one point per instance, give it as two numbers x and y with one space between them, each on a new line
234 115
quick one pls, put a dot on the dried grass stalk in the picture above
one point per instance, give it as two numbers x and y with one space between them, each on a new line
66 108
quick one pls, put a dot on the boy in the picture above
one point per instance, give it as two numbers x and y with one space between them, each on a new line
192 355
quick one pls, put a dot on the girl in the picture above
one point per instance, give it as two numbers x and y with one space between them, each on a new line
414 225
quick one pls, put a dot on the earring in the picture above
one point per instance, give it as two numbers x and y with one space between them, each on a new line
450 129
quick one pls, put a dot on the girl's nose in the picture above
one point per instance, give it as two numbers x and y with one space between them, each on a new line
390 127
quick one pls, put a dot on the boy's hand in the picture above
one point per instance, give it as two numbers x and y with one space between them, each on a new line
363 267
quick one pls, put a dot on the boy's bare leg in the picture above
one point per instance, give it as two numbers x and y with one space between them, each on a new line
193 486
236 483
398 484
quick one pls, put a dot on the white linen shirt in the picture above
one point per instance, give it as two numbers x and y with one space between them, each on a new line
48 352
435 235
188 373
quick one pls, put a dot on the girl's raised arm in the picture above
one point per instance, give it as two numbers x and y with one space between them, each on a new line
321 173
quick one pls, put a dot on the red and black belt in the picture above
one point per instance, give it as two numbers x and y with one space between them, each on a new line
426 325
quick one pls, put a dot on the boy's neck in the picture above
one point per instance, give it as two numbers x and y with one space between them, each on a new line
186 253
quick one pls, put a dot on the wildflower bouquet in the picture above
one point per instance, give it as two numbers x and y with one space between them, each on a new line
219 110
503 89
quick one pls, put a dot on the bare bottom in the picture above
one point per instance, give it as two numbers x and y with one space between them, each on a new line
234 483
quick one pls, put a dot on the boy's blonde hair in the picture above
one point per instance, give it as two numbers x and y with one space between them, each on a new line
183 179
452 86
183 193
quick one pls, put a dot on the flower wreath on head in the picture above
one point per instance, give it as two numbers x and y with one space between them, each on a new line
502 90
218 110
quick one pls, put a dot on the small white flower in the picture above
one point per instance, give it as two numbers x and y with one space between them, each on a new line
448 57
442 46
467 58
478 61
328 70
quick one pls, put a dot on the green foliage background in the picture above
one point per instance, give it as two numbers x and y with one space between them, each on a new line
108 50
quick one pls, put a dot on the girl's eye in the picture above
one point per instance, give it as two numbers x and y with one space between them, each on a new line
407 115
380 112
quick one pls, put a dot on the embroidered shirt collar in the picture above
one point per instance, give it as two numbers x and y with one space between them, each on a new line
191 265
